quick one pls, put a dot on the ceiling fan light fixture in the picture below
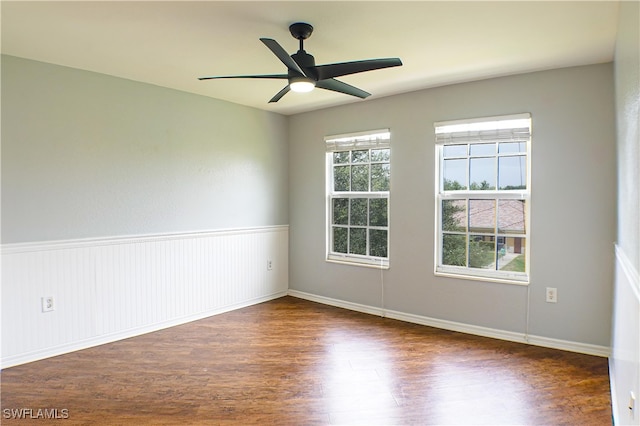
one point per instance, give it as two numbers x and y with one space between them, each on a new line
301 84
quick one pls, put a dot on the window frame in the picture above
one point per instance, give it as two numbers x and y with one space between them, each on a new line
368 140
476 273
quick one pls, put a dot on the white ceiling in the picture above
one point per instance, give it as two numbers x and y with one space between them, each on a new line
171 43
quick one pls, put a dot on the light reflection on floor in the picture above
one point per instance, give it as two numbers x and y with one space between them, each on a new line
365 383
354 391
474 394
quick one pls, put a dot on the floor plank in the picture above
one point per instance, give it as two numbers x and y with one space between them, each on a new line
295 362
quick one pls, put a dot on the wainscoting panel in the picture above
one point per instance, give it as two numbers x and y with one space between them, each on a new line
109 289
624 363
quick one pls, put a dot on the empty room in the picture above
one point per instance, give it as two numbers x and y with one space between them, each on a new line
320 212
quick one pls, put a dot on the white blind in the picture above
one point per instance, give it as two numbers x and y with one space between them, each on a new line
374 139
506 128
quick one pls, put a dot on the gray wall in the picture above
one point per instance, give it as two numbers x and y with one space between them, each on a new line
88 155
573 219
627 77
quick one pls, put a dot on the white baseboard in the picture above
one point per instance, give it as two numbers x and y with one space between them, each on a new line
337 303
24 358
546 342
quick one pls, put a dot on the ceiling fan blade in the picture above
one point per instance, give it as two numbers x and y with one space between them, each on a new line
280 94
346 68
339 86
283 55
280 76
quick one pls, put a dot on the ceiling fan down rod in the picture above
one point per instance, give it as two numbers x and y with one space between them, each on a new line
301 31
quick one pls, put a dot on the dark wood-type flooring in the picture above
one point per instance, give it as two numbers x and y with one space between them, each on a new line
295 362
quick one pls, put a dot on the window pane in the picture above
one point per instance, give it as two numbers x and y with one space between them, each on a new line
482 173
341 211
358 241
454 150
511 216
454 250
454 175
511 256
482 216
507 147
512 172
378 242
380 154
360 156
341 178
340 239
378 212
380 177
358 211
482 149
360 178
454 215
482 249
341 157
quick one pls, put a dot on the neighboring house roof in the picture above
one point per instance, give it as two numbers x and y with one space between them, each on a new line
482 216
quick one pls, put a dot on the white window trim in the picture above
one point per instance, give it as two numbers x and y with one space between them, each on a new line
374 139
498 122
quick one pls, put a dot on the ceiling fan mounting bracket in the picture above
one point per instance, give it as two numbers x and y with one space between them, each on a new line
300 30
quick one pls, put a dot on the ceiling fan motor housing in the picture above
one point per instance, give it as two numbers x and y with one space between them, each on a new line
307 62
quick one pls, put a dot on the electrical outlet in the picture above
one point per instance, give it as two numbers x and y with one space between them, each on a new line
47 304
552 295
269 265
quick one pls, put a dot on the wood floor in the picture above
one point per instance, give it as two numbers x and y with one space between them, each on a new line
294 362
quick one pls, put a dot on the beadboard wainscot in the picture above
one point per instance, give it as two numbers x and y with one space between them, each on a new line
624 363
107 289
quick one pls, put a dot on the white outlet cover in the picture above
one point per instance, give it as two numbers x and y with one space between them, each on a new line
552 295
47 304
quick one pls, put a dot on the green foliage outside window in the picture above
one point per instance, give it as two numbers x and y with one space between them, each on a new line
360 223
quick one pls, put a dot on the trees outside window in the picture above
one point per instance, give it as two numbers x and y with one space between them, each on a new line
358 185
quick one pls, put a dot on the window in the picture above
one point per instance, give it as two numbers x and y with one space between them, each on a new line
358 183
482 198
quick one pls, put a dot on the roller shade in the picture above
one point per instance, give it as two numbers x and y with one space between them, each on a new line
375 139
511 128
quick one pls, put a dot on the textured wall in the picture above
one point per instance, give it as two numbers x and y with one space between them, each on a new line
627 75
624 363
88 155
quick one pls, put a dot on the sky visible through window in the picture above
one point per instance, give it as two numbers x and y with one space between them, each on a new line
488 166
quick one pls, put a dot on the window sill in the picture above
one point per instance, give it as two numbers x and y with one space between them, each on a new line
486 278
370 264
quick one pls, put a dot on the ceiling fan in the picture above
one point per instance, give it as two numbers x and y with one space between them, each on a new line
303 74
